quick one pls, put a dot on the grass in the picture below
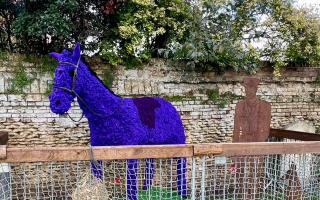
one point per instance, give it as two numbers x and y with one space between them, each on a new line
155 193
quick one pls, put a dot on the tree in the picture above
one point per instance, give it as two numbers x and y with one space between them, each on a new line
242 34
8 12
46 25
136 28
294 37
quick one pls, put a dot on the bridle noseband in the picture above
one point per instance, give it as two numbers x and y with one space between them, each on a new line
72 90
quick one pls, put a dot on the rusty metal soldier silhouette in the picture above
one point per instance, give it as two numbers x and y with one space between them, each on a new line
251 124
252 116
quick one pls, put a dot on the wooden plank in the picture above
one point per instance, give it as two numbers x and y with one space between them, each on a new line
47 154
257 148
279 133
43 154
3 152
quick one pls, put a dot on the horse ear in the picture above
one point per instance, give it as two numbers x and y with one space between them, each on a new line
55 55
76 51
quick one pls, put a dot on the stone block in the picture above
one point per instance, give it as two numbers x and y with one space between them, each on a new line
3 97
34 97
35 86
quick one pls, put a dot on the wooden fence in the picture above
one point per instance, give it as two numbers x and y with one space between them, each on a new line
219 171
46 154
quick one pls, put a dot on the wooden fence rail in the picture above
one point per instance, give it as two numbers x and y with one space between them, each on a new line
296 135
47 154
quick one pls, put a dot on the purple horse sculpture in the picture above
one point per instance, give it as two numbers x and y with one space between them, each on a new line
117 121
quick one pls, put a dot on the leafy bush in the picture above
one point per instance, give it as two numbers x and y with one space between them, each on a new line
39 22
242 34
296 39
44 26
8 13
140 27
206 34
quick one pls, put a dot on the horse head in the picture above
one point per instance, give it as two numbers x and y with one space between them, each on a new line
64 88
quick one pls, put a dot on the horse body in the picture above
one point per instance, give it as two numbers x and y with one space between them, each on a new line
127 121
117 121
131 130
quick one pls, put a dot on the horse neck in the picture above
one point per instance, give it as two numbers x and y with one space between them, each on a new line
96 99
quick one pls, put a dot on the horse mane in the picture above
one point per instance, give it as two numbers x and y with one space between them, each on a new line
96 76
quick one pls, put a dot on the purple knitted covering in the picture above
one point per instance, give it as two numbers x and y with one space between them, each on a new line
146 108
114 120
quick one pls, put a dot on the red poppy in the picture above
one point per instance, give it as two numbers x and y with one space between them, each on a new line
233 168
117 180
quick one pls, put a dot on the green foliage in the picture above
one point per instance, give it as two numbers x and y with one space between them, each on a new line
142 26
222 100
42 63
317 81
224 34
213 95
215 38
8 13
3 55
40 20
159 193
187 96
43 26
48 90
174 98
19 81
206 34
108 77
295 39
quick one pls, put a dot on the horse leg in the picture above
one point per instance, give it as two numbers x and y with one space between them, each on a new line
132 166
148 173
181 177
96 168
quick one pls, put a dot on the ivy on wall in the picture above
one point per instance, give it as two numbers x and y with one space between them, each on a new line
317 81
186 96
108 77
222 100
20 81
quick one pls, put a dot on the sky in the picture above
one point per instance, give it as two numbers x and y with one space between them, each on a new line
308 3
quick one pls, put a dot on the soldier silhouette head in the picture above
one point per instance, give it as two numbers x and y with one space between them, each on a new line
251 86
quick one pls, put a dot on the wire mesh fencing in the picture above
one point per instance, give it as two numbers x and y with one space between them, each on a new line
77 180
284 176
203 177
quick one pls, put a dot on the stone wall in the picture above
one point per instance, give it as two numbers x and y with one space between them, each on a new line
27 118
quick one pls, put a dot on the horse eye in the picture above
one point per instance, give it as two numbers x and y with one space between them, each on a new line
71 72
